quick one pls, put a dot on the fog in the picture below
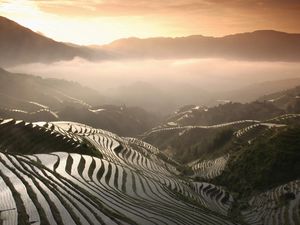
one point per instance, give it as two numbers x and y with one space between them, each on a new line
164 84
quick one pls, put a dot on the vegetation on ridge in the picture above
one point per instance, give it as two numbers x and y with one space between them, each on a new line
273 159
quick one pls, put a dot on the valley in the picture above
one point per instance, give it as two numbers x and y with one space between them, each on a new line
190 168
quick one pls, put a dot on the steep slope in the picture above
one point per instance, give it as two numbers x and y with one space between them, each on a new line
129 183
257 162
19 45
71 173
259 45
274 152
264 177
282 203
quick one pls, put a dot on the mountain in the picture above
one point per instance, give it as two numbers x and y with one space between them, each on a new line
33 98
261 45
20 45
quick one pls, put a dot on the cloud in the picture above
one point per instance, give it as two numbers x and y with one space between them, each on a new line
209 74
164 85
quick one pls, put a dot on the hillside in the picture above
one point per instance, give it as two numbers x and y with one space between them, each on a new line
261 45
288 100
125 121
127 183
33 98
200 133
222 113
19 45
256 161
269 154
71 173
32 93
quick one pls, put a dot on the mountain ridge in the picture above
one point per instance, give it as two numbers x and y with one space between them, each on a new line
259 45
20 45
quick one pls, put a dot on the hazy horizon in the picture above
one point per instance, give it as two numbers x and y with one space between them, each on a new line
182 71
101 22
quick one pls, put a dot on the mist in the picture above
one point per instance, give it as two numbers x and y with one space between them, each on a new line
164 85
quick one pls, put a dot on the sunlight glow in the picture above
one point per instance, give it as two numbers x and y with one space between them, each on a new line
78 30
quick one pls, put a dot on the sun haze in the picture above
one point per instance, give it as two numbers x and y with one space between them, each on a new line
102 21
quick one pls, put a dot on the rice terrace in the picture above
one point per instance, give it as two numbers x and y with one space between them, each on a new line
134 112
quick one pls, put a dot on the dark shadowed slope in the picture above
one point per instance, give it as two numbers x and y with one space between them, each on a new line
262 45
29 92
21 45
33 98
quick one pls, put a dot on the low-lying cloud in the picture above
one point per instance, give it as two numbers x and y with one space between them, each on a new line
178 79
205 73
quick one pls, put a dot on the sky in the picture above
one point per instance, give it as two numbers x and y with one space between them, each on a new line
103 21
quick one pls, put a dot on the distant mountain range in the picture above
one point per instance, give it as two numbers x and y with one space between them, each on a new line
262 45
19 45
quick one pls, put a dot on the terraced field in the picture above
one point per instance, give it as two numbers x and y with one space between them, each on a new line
211 144
71 173
129 182
209 169
278 206
166 128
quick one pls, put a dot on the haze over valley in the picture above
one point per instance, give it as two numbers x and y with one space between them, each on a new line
127 72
